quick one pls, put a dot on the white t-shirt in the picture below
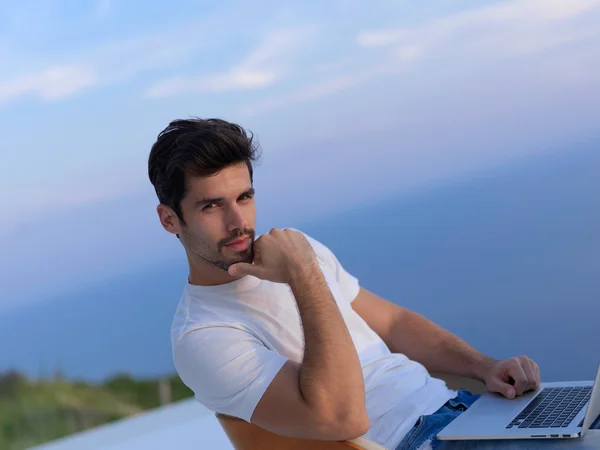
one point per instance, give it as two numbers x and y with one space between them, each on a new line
230 341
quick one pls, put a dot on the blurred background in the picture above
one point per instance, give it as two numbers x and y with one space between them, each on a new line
448 152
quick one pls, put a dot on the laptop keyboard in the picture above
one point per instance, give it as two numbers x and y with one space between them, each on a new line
553 408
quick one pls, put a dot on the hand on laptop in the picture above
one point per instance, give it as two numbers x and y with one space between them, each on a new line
512 377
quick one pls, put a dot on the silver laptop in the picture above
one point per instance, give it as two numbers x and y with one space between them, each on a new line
556 410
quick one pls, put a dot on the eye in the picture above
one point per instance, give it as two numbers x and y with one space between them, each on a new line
209 206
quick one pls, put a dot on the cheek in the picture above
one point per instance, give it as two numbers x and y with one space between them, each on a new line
209 228
195 228
250 213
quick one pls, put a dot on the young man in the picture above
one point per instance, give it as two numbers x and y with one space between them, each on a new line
273 330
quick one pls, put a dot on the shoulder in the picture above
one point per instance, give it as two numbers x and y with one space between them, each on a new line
204 350
181 318
208 313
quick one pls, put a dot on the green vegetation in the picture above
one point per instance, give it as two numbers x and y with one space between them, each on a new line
36 411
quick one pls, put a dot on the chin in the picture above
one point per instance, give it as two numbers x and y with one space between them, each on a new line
247 256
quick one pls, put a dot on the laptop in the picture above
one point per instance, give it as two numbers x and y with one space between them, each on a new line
557 410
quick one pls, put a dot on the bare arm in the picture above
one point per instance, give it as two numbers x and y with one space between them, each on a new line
330 376
438 349
324 396
420 339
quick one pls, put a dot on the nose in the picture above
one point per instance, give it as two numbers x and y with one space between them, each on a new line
237 219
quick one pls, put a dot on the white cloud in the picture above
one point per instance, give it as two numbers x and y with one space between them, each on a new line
119 61
50 84
109 63
513 27
321 88
506 28
235 79
264 66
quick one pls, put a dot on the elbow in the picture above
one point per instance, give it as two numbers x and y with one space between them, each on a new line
347 426
358 427
342 420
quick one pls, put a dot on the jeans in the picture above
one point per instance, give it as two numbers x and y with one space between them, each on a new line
423 434
427 427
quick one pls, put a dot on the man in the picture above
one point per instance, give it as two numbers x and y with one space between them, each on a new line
273 330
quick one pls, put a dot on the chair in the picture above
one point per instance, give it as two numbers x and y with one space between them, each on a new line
248 436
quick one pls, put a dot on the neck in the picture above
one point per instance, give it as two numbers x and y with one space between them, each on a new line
205 273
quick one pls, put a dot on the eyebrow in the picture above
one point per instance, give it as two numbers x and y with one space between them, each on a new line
208 201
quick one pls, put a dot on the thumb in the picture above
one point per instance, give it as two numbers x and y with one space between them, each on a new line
244 269
503 388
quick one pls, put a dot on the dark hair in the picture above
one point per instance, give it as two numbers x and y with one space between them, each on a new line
196 147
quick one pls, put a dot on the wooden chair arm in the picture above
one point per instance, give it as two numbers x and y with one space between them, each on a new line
248 436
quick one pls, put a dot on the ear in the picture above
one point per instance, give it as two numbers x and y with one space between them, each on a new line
168 219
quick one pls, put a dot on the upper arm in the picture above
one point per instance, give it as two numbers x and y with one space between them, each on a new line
232 372
284 411
380 314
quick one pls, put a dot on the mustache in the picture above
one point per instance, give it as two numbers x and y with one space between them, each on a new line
248 232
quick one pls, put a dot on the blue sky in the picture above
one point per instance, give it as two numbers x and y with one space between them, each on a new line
350 101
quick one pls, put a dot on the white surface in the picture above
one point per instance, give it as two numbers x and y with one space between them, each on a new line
182 425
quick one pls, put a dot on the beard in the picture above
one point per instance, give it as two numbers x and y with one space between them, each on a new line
221 257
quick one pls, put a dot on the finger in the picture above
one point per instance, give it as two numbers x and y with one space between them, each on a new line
516 372
538 377
502 387
241 269
529 370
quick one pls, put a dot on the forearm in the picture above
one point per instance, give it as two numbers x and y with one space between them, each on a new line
331 378
437 349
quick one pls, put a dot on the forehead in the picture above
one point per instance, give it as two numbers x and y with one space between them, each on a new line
230 181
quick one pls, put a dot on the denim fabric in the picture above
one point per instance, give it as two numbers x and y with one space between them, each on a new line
427 427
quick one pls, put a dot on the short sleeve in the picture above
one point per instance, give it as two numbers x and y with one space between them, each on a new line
348 283
227 368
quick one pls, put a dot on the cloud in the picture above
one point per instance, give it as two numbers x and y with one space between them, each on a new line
322 88
50 84
507 29
110 63
119 61
264 66
514 27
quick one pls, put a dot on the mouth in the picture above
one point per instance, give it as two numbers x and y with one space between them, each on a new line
239 244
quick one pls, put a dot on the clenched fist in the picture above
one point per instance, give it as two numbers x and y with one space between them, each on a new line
278 256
